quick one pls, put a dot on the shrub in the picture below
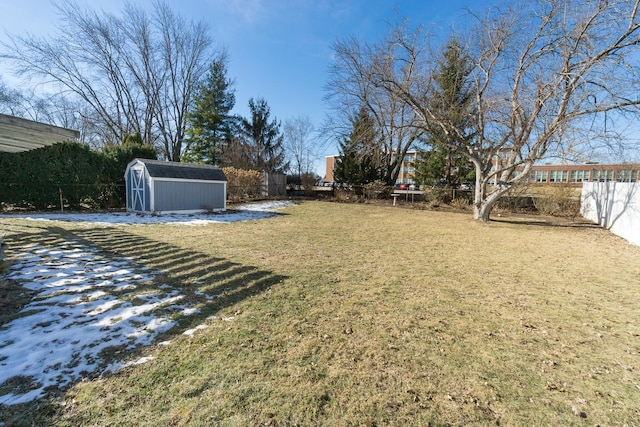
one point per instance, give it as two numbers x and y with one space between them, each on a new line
429 204
67 171
518 198
376 190
242 183
41 178
344 195
558 200
308 181
460 203
438 195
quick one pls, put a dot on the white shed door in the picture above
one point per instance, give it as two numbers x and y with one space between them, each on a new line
137 189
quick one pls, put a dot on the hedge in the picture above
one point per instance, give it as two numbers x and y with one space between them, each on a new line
67 171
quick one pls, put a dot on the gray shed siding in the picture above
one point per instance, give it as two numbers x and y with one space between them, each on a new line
182 195
157 186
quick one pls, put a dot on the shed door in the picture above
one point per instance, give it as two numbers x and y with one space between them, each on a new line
137 189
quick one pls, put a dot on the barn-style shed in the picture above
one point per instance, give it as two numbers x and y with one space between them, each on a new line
155 186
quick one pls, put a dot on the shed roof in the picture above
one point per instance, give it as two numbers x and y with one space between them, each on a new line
18 134
176 170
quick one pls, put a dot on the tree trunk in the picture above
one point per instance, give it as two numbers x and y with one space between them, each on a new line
483 201
483 206
482 212
478 198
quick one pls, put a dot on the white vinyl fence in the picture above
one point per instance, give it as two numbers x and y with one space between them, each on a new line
613 205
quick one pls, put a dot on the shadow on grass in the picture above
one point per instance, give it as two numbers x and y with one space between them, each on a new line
183 288
188 271
546 222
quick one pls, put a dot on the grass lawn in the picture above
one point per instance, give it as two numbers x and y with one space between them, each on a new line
351 314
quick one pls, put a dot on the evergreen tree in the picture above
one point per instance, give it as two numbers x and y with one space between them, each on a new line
262 143
430 167
133 139
117 157
441 164
360 157
209 123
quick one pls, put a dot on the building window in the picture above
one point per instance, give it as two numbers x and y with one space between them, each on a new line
627 175
579 176
558 176
602 175
539 176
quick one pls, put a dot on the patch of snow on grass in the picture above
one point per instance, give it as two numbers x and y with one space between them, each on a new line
194 330
190 311
74 317
246 212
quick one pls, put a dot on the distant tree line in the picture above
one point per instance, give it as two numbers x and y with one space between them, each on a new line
516 84
368 154
150 73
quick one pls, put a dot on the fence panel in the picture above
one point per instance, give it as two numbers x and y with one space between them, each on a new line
613 205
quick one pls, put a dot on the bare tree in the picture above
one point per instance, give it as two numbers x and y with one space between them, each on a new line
57 110
135 71
183 51
11 100
299 144
354 75
548 79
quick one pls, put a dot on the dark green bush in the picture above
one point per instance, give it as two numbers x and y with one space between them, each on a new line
67 171
117 157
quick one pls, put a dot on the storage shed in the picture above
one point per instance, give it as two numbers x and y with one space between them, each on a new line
154 186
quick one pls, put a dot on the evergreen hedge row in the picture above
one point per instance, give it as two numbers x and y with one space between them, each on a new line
71 171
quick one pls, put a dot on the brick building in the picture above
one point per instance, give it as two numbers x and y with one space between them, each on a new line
540 174
407 168
588 172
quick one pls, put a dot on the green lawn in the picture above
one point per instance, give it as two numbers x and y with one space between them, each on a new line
354 314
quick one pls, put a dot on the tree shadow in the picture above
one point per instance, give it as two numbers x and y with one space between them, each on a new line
611 204
109 283
540 222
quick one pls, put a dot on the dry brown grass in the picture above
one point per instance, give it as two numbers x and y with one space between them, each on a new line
381 316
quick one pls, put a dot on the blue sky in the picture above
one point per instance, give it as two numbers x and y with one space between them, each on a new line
279 49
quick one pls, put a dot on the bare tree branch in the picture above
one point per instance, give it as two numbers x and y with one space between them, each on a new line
546 79
136 71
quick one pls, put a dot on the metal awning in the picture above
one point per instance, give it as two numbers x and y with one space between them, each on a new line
17 134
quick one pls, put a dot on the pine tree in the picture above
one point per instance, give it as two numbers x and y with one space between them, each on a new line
431 166
209 121
133 139
360 157
441 164
263 141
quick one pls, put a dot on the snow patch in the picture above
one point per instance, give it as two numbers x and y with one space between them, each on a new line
74 317
82 303
190 332
246 212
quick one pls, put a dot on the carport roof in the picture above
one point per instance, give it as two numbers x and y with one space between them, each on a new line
17 134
